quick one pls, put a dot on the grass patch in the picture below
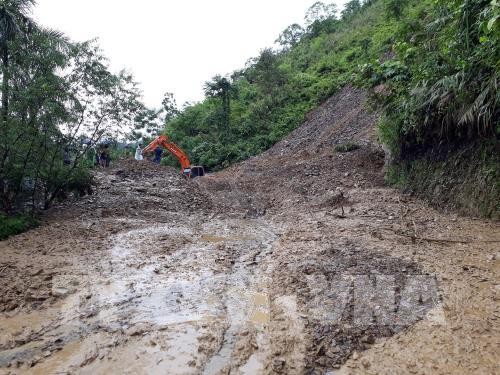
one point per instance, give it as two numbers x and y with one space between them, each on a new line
346 147
12 225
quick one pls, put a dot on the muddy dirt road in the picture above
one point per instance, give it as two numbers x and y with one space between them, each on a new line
297 261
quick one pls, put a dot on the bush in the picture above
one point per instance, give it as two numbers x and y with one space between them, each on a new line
12 225
346 147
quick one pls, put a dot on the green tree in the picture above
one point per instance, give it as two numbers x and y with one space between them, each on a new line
319 12
63 100
351 8
147 124
14 22
169 106
266 72
394 8
290 36
221 87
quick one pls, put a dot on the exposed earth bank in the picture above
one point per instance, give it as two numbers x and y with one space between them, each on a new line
297 261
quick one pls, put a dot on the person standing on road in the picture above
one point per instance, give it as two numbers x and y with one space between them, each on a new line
158 155
105 158
138 153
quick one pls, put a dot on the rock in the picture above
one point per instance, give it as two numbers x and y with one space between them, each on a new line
368 339
60 292
34 361
37 272
332 354
278 364
137 330
355 356
366 363
89 358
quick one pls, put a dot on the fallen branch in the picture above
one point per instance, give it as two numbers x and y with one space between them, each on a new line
454 241
430 239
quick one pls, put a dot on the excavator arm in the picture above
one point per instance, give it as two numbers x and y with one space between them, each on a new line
164 141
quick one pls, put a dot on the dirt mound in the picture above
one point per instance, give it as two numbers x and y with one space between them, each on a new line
140 189
305 167
342 118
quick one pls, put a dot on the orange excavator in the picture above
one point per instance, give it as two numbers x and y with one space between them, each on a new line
187 169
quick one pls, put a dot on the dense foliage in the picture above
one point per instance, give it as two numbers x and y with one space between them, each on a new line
441 86
440 100
12 225
58 101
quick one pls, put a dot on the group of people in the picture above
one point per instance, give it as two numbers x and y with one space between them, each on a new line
103 157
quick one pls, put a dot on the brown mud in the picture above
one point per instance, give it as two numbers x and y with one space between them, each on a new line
297 261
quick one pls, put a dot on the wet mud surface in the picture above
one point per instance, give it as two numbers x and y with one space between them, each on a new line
298 261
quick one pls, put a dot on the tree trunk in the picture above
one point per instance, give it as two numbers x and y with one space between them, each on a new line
5 86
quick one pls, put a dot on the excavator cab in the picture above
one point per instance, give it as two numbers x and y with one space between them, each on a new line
165 142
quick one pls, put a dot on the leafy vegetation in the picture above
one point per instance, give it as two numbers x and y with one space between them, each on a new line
441 86
440 101
12 225
346 147
59 100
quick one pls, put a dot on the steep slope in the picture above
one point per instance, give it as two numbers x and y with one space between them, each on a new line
304 166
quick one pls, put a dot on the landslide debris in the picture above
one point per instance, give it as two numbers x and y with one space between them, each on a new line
253 269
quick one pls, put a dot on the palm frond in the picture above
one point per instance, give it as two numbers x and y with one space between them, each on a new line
57 38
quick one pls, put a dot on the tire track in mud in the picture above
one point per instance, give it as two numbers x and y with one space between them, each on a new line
246 300
194 283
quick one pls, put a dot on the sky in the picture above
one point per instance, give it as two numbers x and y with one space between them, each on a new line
174 45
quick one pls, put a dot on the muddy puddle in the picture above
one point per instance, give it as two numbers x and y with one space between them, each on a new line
165 297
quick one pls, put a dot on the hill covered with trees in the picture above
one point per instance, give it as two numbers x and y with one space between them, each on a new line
432 71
